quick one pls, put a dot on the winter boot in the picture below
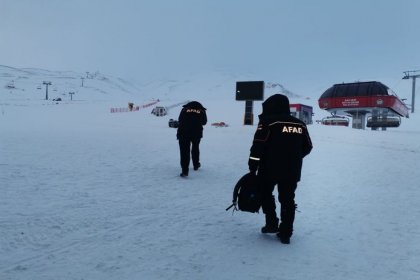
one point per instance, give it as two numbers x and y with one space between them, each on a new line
271 225
184 173
283 239
284 234
197 166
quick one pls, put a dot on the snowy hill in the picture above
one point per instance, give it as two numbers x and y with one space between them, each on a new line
29 82
28 85
87 194
113 92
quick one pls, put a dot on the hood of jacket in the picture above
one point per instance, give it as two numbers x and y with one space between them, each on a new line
194 105
275 105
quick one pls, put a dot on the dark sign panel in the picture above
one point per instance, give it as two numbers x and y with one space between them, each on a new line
252 90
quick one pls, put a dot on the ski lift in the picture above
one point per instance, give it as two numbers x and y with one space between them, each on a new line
383 121
336 120
159 111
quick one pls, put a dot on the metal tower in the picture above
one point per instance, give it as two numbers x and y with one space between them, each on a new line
412 76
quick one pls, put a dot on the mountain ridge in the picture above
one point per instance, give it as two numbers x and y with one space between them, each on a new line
218 85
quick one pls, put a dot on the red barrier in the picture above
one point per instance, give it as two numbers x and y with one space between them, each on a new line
136 108
220 124
123 110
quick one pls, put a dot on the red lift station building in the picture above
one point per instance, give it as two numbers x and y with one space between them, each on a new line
370 104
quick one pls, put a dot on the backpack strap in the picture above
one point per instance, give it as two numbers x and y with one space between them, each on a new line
232 205
235 195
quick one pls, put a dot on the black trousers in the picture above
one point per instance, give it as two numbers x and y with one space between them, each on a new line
189 146
286 196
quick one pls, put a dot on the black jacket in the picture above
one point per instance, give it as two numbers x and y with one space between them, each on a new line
191 120
280 142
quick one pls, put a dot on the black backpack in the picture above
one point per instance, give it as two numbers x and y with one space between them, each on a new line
246 194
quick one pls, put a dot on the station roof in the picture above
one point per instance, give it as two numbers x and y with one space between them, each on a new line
356 89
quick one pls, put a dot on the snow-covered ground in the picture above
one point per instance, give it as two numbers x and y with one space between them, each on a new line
86 194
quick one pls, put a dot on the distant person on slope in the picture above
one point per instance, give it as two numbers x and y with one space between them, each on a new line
280 143
190 131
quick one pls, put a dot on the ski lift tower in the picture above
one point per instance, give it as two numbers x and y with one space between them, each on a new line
408 76
46 91
248 92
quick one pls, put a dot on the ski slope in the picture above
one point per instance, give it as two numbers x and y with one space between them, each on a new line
86 194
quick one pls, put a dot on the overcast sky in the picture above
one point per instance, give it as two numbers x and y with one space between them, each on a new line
307 45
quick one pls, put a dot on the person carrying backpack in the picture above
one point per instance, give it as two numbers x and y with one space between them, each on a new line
191 120
279 146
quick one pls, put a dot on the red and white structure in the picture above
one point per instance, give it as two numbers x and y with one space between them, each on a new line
302 112
370 104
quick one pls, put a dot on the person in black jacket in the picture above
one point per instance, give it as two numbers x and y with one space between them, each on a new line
190 131
280 143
